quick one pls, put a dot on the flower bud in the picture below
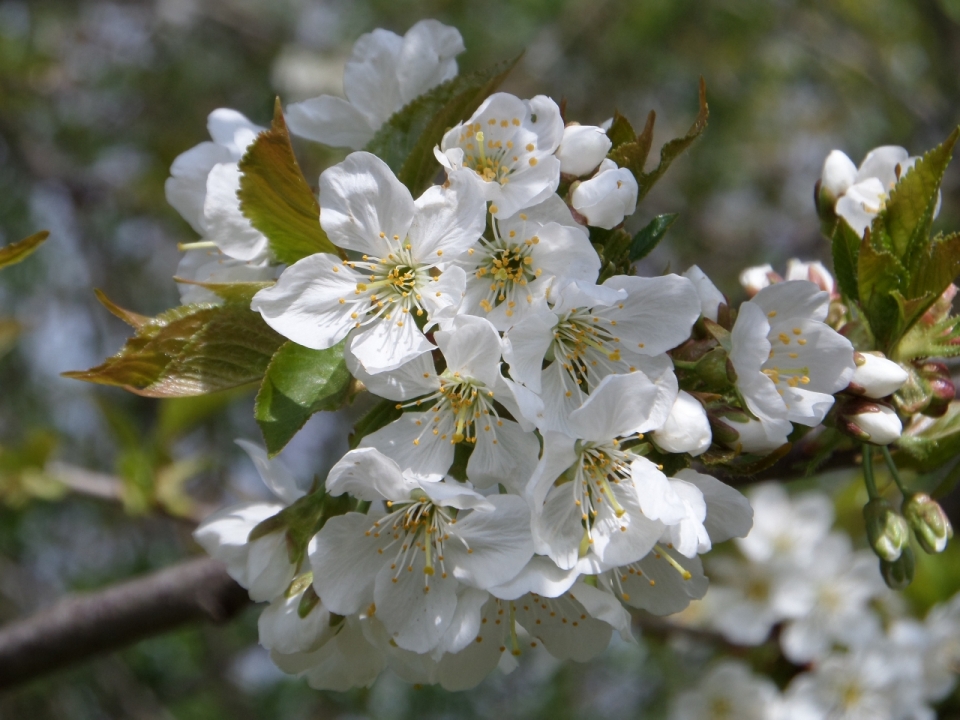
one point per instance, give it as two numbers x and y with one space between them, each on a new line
899 573
813 271
929 522
941 388
887 530
872 422
838 174
752 436
875 376
941 309
756 278
606 198
687 429
582 149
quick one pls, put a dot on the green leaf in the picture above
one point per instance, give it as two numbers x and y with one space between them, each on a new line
880 274
406 141
277 199
938 443
846 250
632 155
650 236
21 250
935 267
903 226
621 132
298 383
380 415
189 350
673 149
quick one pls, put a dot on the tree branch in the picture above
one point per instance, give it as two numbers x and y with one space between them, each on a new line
84 625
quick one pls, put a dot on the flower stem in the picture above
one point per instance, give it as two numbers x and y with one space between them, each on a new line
893 470
868 478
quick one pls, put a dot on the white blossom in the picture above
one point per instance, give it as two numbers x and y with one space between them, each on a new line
409 555
687 428
532 255
710 297
384 73
788 362
508 145
877 424
209 265
729 691
459 405
606 198
404 244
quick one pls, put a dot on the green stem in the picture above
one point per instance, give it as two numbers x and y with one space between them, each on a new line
893 470
868 478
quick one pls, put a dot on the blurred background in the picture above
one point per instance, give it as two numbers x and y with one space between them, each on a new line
98 98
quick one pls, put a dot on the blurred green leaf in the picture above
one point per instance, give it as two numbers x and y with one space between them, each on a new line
650 236
178 416
169 481
190 350
880 274
406 141
845 245
21 250
298 383
22 477
277 199
9 332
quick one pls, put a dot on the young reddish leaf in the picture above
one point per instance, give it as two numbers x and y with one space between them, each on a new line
277 199
621 132
22 249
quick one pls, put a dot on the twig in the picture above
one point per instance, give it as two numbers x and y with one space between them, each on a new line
79 627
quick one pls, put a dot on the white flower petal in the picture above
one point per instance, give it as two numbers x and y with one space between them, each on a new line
414 378
370 75
361 198
468 668
495 546
503 453
540 576
368 474
414 446
658 312
345 562
305 306
472 348
793 299
657 498
710 297
186 188
232 130
616 407
656 586
386 344
269 570
526 344
687 429
223 222
466 623
427 57
449 220
729 513
557 531
331 121
274 473
281 628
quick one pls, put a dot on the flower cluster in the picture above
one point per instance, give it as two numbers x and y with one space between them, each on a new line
863 655
527 473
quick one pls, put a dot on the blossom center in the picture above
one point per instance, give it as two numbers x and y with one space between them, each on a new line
597 474
461 407
488 149
509 265
586 346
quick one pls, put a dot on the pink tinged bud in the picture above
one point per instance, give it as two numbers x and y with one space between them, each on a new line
876 377
887 530
814 271
582 149
754 279
606 198
687 429
838 174
929 522
941 308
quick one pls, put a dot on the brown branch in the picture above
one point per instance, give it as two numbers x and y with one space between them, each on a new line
79 627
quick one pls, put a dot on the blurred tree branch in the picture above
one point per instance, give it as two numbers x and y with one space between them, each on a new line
81 626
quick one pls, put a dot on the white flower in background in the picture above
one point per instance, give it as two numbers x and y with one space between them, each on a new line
687 428
875 376
509 146
729 692
786 530
754 279
384 73
458 407
836 589
209 265
874 683
203 187
625 325
596 505
532 255
710 298
861 193
608 197
364 208
936 641
788 362
408 559
262 565
582 149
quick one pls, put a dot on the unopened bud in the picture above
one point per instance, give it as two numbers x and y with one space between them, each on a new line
582 149
813 271
942 308
875 376
887 530
753 436
941 388
899 573
756 278
838 174
929 522
687 429
606 198
873 422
